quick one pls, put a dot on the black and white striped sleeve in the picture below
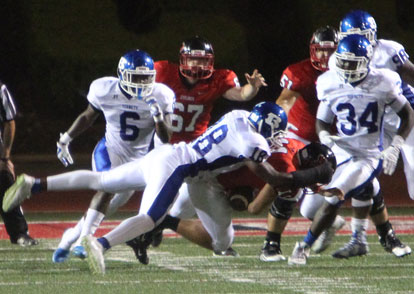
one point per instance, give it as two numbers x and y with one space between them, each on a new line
7 107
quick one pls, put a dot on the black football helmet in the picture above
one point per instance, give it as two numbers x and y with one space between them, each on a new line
310 156
325 38
196 58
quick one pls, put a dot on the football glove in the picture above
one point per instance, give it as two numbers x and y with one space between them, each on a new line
327 139
63 153
390 155
155 108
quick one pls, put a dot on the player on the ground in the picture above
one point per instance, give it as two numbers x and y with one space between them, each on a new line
239 137
236 189
356 96
135 107
299 100
197 86
390 55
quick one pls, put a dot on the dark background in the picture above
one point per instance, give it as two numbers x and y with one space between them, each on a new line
51 50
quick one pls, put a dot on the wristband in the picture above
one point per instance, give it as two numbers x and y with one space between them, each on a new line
158 118
397 141
4 159
65 138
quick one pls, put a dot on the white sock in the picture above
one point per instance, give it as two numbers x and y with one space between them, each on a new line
92 221
76 180
71 235
129 229
359 228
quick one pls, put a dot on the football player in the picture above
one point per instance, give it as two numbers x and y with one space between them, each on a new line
238 137
299 100
356 97
135 107
14 221
243 184
390 55
198 85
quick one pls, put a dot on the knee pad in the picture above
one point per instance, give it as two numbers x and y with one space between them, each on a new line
378 205
282 208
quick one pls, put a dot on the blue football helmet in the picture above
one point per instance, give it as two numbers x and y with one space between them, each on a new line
352 58
136 73
270 120
359 22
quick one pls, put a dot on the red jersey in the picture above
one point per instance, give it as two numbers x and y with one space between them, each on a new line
301 77
282 161
193 106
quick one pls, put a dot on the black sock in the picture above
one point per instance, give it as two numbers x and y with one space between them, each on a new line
383 229
170 222
271 236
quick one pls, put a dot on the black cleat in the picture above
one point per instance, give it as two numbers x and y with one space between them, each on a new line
392 244
140 245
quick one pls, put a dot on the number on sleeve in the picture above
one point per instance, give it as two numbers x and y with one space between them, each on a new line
258 155
285 82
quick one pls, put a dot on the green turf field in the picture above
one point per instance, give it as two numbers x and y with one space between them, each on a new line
180 267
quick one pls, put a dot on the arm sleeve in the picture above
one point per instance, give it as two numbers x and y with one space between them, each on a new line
8 111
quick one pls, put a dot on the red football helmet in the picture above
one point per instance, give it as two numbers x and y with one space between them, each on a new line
323 43
196 58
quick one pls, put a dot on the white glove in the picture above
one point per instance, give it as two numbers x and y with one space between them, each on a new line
327 139
390 155
155 108
63 153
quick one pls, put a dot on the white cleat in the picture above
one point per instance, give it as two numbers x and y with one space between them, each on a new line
325 239
300 254
18 192
94 257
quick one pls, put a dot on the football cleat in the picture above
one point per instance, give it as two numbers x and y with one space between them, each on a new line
226 253
156 238
325 239
300 254
79 252
353 248
271 251
94 253
25 240
140 245
18 192
60 255
393 245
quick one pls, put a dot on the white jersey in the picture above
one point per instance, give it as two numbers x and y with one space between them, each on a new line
130 127
386 54
359 110
227 143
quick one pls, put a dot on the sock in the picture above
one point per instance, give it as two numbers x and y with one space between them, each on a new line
271 236
104 243
170 222
71 235
309 238
92 221
37 187
383 229
359 228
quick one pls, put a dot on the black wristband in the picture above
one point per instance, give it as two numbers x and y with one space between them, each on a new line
319 174
4 159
